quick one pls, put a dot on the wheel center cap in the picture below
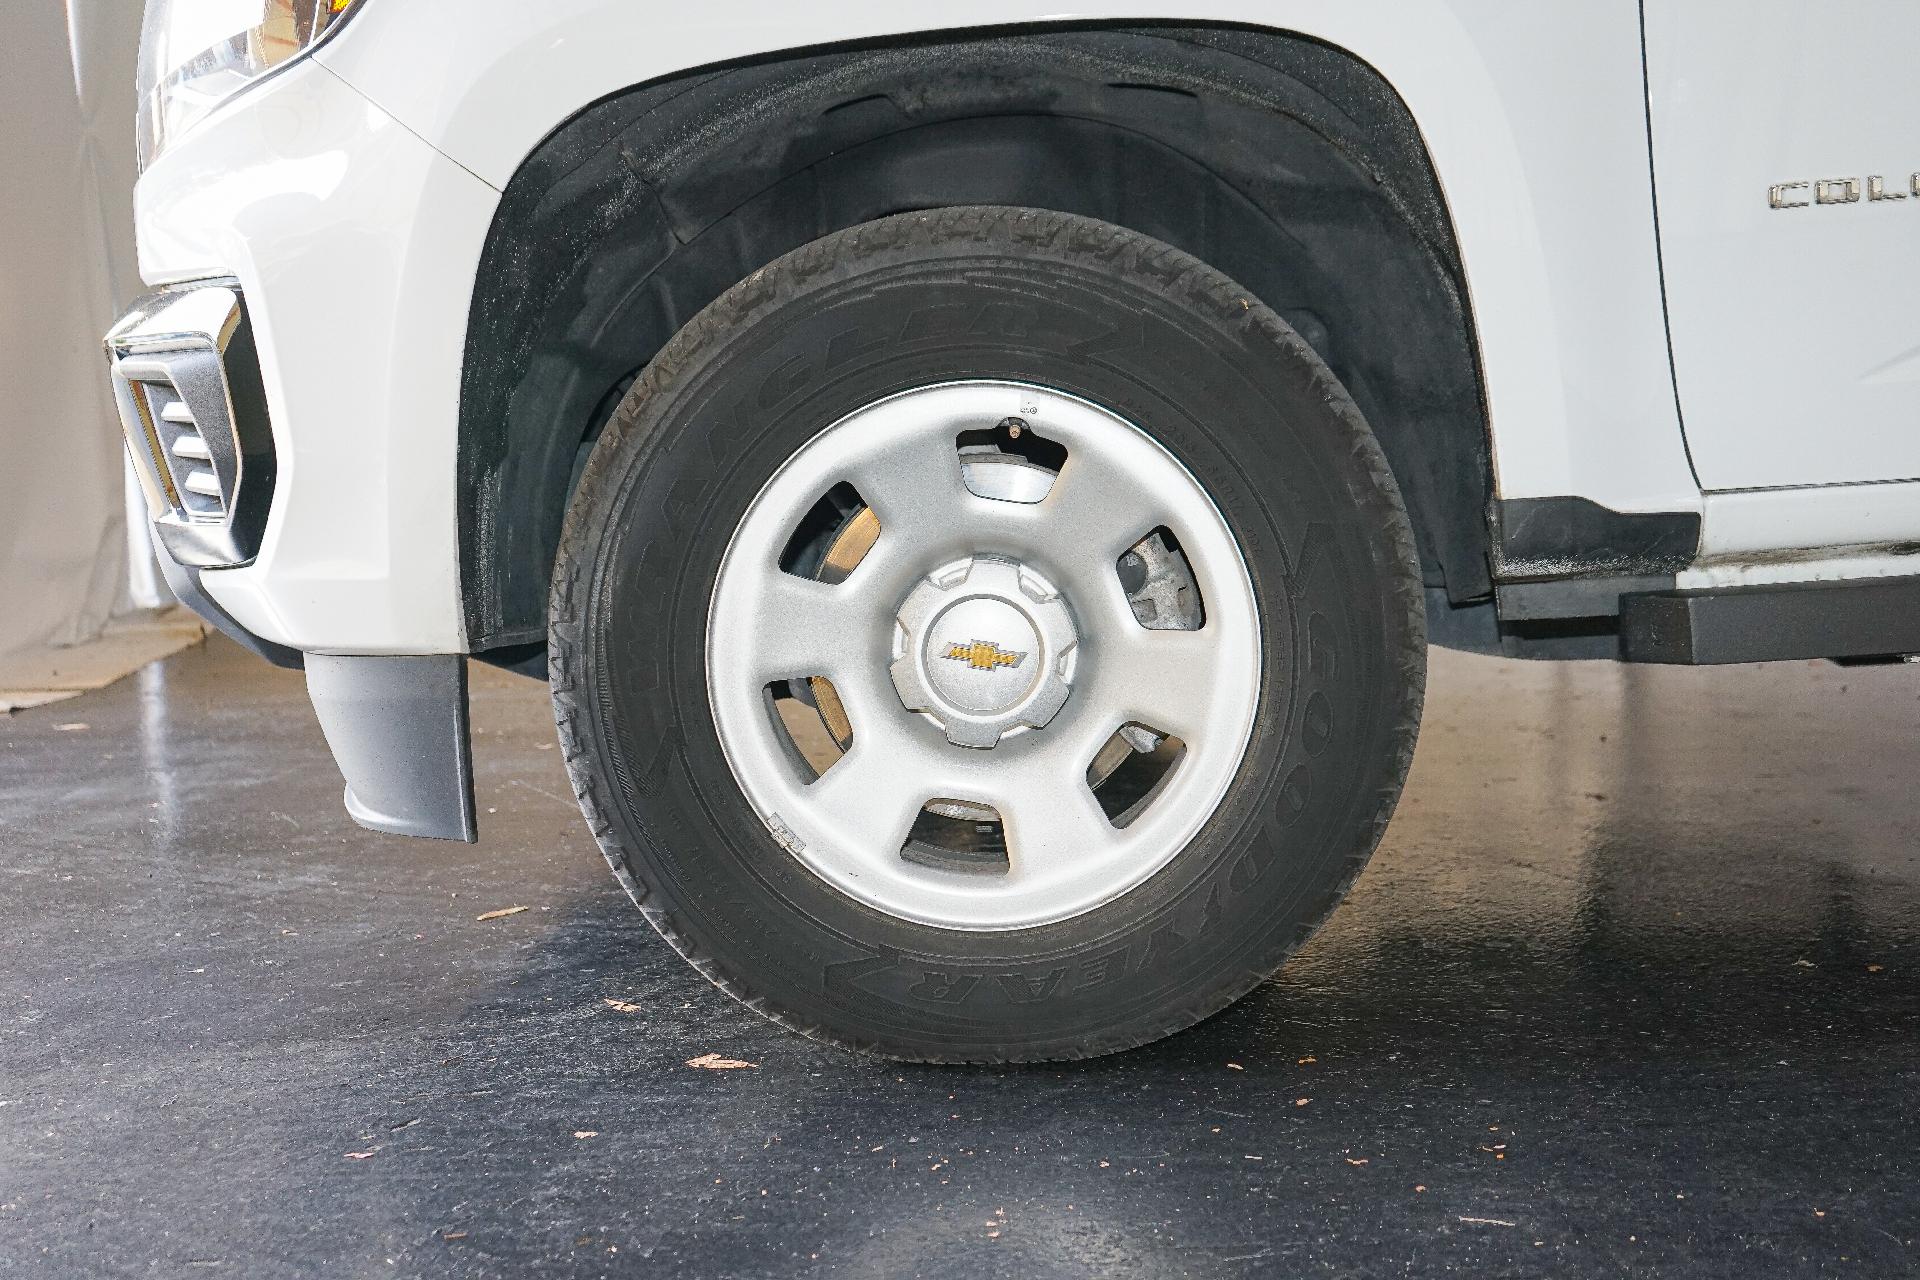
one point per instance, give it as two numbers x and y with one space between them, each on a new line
981 655
984 647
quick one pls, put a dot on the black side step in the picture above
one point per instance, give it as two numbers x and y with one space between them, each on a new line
1858 618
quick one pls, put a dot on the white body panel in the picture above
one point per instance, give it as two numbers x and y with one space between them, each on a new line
1756 525
1795 343
351 196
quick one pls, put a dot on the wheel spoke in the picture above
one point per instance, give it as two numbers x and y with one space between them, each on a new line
1052 821
1099 509
792 627
912 481
1162 679
871 796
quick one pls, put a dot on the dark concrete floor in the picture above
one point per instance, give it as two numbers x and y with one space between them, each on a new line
1630 988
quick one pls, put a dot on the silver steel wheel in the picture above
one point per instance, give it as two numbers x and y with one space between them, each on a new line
983 655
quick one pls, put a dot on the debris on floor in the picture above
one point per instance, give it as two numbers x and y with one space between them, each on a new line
714 1062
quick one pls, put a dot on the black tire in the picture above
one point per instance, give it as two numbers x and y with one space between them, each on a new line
1118 319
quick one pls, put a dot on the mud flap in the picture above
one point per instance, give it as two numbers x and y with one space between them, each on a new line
398 730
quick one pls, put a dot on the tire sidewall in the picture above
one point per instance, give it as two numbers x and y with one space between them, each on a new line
1146 333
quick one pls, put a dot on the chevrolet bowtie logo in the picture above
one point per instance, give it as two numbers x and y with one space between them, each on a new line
983 655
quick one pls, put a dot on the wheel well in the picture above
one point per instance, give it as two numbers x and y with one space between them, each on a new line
1288 165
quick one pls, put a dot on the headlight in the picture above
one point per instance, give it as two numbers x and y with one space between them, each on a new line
195 54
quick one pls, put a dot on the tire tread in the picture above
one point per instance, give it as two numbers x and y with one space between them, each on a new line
1115 248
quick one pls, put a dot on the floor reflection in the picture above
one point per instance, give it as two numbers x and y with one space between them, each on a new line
1630 981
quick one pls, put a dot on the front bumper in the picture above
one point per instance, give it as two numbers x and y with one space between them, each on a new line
186 380
353 245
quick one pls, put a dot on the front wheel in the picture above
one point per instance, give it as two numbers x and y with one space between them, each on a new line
987 635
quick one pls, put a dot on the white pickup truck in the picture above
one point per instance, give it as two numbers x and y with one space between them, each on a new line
982 494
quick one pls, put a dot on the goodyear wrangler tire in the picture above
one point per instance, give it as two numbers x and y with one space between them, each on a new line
987 635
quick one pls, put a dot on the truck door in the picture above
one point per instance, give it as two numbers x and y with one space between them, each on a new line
1786 164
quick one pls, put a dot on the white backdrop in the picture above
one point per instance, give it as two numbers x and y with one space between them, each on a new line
66 270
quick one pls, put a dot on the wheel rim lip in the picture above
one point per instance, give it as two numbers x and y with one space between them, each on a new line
967 901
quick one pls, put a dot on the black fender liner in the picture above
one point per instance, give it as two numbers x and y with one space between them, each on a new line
1289 165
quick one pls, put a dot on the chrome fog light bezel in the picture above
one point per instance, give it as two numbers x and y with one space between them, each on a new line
190 348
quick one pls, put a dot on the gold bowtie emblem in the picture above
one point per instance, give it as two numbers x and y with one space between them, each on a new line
983 655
